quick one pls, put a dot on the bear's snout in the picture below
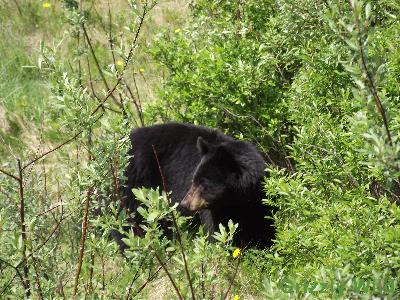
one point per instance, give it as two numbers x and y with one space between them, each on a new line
193 201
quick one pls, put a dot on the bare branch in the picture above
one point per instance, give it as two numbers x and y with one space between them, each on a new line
83 239
52 150
169 276
9 174
97 62
23 230
178 234
370 81
233 278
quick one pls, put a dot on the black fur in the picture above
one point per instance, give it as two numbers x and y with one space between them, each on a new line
229 172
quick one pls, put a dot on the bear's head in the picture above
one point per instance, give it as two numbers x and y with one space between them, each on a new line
226 171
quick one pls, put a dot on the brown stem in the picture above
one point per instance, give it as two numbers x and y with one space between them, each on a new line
83 239
110 38
23 230
17 272
151 277
50 209
103 278
135 277
138 104
233 278
37 278
203 288
36 249
178 234
96 61
91 273
51 150
115 180
124 114
370 81
44 178
169 276
91 80
9 174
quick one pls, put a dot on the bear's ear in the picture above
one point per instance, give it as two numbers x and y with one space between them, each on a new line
202 145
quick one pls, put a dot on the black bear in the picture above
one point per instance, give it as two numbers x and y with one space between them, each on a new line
207 172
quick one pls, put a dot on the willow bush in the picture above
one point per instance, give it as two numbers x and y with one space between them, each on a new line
317 81
314 84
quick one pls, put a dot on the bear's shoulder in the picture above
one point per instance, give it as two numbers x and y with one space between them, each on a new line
174 132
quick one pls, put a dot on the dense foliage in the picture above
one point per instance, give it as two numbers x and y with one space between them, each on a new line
315 84
308 77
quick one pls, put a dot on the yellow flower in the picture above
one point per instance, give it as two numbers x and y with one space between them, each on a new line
141 70
119 63
236 297
177 30
236 253
46 5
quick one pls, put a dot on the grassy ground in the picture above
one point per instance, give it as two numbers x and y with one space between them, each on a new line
25 95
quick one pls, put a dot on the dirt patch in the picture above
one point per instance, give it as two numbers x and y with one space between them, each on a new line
4 126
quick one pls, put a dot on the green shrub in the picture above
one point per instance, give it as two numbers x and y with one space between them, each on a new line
315 84
308 78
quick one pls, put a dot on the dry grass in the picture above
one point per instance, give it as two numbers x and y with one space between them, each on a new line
4 125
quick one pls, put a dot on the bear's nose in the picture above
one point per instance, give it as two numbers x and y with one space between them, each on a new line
185 203
193 201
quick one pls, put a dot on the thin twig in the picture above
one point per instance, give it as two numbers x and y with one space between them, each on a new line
50 209
114 173
137 103
135 277
44 179
23 230
234 277
51 150
91 80
96 61
90 287
169 276
103 278
203 288
370 81
147 281
110 38
18 273
178 234
83 239
62 218
9 174
37 278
